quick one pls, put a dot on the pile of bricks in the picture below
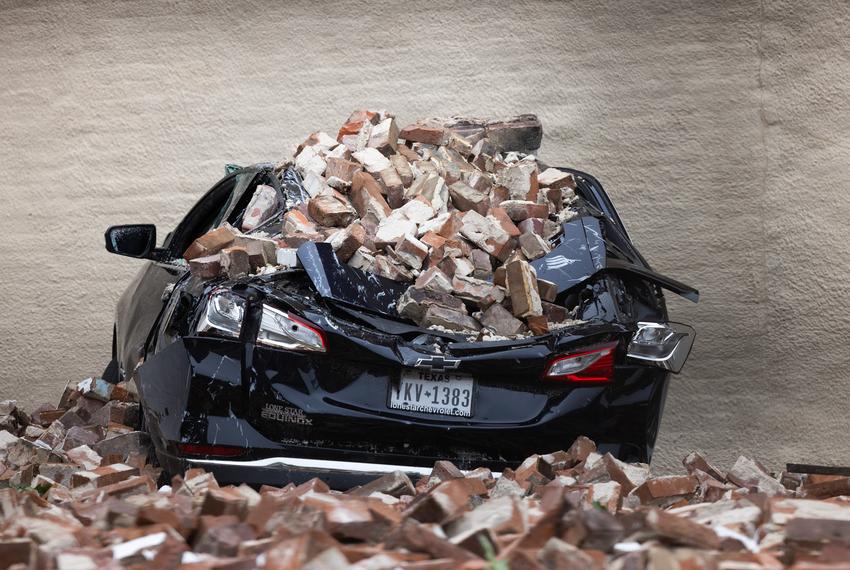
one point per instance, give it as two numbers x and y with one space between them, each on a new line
457 207
76 493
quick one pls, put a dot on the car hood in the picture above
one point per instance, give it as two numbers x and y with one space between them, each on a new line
587 246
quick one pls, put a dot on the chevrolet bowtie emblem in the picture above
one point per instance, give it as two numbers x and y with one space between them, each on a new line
437 363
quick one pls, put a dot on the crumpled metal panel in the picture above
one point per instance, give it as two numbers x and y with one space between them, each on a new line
589 245
343 283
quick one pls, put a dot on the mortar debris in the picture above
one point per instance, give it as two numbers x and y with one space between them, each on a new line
456 207
77 492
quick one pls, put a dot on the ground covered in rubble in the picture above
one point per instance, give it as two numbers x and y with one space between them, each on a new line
456 207
77 492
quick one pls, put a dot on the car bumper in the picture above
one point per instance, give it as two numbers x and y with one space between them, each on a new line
198 390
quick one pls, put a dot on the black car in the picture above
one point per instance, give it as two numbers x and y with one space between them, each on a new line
309 370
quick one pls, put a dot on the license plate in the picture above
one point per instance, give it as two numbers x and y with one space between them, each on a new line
444 393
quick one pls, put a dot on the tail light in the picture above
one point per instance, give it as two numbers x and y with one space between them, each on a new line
666 345
211 450
284 330
596 365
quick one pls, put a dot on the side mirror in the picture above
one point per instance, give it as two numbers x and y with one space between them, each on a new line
134 240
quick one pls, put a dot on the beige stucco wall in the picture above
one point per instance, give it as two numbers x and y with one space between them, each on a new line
719 128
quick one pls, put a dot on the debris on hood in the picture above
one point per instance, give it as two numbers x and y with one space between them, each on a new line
76 491
440 205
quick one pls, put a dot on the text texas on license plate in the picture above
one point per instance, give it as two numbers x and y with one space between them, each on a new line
444 393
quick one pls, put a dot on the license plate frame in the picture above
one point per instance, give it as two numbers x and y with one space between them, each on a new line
428 382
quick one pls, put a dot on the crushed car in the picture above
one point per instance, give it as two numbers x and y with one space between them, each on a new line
387 298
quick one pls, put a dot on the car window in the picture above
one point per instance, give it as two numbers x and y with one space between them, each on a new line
205 215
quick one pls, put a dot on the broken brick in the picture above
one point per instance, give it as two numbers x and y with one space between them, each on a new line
384 137
342 169
261 207
428 132
439 316
235 262
331 209
210 243
522 285
467 198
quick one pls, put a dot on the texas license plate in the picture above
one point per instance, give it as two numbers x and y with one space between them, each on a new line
445 393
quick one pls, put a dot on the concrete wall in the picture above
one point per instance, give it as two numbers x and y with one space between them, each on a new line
720 130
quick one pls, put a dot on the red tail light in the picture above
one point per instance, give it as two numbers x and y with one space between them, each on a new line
595 365
214 450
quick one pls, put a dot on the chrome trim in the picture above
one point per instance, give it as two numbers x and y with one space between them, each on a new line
320 464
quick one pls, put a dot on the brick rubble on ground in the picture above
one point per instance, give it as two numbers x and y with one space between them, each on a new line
77 492
443 204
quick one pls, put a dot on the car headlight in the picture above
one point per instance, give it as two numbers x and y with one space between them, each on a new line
666 345
283 330
223 314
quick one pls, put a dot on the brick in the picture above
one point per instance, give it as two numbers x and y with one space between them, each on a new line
680 530
235 262
428 132
389 266
695 460
554 178
533 246
392 185
367 198
519 210
104 476
532 226
384 137
446 225
665 487
748 474
395 484
482 266
436 315
207 267
59 472
320 141
411 251
392 229
224 501
522 285
523 133
296 222
629 476
446 500
125 413
310 159
499 216
372 160
431 186
331 209
433 279
402 168
418 210
477 291
261 251
17 551
210 243
261 207
501 321
520 179
347 241
84 456
537 324
342 168
466 198
488 236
